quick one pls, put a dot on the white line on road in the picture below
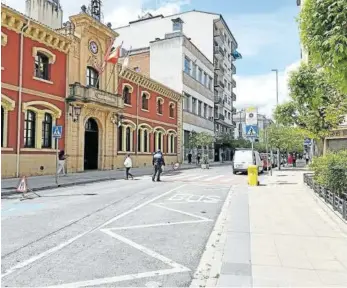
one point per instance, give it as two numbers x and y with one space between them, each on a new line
159 224
176 268
182 212
214 178
70 241
197 177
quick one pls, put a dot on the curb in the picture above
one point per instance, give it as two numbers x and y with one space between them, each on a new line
55 186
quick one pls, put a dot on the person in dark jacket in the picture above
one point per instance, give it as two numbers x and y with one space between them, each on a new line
158 162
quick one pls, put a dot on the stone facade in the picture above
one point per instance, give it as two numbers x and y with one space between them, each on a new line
109 126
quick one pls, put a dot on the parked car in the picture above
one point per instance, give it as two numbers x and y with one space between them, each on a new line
244 158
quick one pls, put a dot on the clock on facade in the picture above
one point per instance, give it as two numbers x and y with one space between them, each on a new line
93 47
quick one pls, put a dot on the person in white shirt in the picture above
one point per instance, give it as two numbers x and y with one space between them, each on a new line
128 164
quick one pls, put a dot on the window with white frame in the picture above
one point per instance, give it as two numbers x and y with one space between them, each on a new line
229 86
194 108
160 102
187 64
194 70
200 75
210 84
29 129
205 110
205 79
199 108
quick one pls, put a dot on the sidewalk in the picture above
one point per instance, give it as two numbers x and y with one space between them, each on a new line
36 183
275 235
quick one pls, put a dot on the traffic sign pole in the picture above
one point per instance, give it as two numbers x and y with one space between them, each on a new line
56 161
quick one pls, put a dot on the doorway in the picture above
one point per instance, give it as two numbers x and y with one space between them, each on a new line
91 145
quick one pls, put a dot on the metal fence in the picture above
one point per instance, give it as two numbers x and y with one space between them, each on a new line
338 202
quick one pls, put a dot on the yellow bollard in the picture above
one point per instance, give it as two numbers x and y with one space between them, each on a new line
253 175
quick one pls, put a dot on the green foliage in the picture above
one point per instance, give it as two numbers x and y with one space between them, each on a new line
323 33
204 139
285 138
315 105
330 171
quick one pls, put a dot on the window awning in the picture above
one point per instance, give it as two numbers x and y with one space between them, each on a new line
237 55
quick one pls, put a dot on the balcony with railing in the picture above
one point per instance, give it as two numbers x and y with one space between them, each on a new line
233 83
219 116
218 99
220 70
219 52
218 85
91 94
233 96
219 37
233 68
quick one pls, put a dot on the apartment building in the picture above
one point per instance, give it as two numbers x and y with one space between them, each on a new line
176 62
212 36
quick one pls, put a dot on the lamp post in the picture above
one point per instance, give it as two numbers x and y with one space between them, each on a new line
278 150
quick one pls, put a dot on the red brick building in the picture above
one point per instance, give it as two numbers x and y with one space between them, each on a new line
152 118
33 89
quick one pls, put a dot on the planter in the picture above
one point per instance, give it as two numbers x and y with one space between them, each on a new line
205 166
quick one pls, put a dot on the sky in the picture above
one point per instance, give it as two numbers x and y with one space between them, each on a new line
266 32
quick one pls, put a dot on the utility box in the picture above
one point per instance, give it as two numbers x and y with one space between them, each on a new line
253 175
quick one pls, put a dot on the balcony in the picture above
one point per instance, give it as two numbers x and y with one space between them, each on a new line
233 68
92 94
218 99
233 83
219 38
219 116
220 70
218 85
233 96
219 52
233 111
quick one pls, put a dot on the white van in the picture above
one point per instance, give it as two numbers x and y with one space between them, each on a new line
243 158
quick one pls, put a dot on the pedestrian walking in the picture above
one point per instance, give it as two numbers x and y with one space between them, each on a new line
307 158
190 157
61 162
198 157
128 164
158 162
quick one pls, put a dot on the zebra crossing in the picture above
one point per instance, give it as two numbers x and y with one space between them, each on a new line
195 177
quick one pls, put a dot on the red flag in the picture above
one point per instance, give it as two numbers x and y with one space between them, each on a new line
114 55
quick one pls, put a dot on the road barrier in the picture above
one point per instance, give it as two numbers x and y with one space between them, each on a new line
338 202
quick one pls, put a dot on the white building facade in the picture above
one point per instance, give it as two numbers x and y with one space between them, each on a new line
212 37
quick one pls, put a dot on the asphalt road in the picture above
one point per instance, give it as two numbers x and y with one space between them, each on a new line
116 233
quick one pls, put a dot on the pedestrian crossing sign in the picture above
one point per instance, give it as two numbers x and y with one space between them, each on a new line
57 131
252 130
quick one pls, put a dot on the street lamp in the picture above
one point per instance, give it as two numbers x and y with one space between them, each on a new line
75 112
278 150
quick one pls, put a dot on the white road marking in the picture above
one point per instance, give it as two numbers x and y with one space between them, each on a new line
182 212
214 178
70 241
115 279
158 224
198 177
182 176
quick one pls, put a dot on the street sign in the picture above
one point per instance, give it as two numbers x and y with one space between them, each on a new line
307 142
57 131
251 116
252 131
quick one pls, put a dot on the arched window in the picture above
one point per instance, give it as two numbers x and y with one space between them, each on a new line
160 144
127 95
172 110
47 131
159 106
120 139
128 139
144 101
145 141
29 129
41 66
172 143
139 140
92 77
2 126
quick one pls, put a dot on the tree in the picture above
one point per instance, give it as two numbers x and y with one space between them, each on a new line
204 139
323 32
315 105
285 138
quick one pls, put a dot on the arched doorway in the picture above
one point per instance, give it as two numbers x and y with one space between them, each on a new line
91 145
